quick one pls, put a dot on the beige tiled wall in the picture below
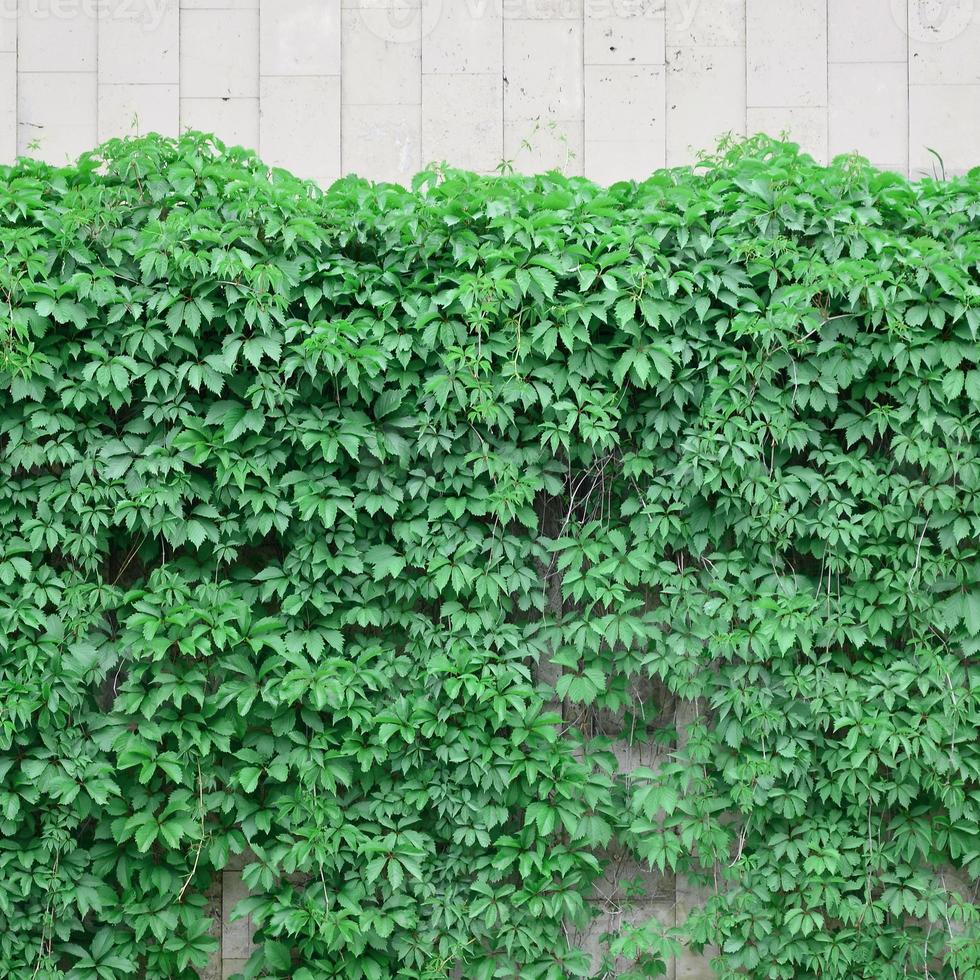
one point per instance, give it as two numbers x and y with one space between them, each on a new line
609 88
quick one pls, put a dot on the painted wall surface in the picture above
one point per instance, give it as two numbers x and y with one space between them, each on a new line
609 88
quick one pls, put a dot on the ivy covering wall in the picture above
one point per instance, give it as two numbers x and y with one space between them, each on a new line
304 494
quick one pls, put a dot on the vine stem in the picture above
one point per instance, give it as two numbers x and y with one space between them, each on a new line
200 843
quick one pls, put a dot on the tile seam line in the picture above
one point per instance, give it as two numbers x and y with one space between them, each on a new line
340 97
826 77
258 76
583 124
868 61
745 68
908 91
665 111
305 74
621 64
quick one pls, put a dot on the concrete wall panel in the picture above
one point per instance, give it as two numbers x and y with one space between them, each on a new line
139 42
8 26
625 33
219 54
8 105
868 107
462 38
57 114
461 120
801 124
535 145
382 60
236 121
543 69
299 125
946 119
382 142
137 109
300 37
705 99
611 88
867 30
944 42
56 38
713 23
786 53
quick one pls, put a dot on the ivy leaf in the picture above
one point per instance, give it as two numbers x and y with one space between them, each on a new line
384 561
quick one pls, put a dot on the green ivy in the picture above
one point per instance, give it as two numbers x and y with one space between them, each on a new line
357 532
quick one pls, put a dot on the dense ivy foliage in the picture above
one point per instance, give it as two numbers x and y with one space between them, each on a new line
305 495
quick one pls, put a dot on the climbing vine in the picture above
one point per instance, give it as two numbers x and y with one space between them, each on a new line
363 534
